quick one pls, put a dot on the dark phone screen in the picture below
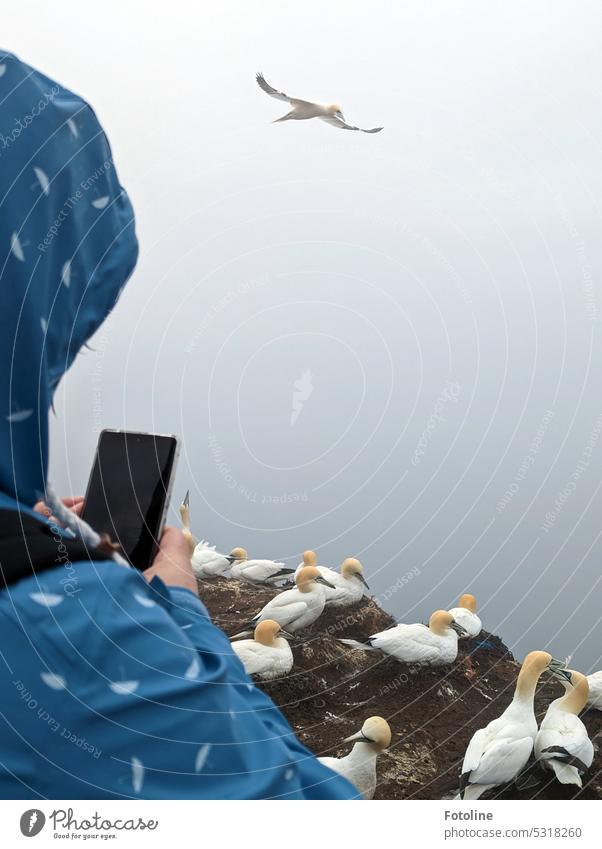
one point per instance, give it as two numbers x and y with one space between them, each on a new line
128 489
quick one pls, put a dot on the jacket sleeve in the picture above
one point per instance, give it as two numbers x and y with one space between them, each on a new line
171 708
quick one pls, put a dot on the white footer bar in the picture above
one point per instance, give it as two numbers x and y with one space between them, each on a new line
301 825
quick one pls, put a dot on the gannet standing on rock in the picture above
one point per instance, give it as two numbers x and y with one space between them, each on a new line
595 690
562 743
256 571
304 109
268 655
497 753
348 584
465 615
298 608
207 562
432 645
359 766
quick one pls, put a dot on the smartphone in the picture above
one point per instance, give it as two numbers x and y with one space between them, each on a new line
129 490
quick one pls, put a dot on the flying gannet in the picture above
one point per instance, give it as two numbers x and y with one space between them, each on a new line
267 655
432 645
298 608
498 752
348 584
562 743
256 571
207 562
304 109
359 766
465 615
595 690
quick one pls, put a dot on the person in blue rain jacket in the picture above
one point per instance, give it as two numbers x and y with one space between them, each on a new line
113 683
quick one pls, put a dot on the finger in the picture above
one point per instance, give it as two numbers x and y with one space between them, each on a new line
173 538
73 501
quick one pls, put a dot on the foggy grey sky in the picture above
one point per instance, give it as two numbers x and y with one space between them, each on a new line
440 278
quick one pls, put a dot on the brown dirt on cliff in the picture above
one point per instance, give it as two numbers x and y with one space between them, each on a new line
433 713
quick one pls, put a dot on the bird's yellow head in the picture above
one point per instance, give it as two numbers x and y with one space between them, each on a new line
306 576
375 731
237 555
469 602
537 661
352 568
441 621
336 110
266 632
309 558
185 516
577 687
532 667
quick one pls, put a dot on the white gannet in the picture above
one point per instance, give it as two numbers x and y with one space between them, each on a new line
268 655
207 562
562 743
432 645
359 766
256 571
595 690
498 752
298 608
304 109
348 584
465 615
185 515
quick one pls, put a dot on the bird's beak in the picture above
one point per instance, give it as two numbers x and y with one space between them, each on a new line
186 502
230 559
364 581
286 634
241 634
460 631
355 737
559 671
322 580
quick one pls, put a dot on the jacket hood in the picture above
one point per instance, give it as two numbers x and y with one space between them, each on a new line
67 247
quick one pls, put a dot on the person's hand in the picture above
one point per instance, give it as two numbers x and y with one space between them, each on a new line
172 563
76 505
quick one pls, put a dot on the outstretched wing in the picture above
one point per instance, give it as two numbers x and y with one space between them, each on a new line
279 95
343 125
